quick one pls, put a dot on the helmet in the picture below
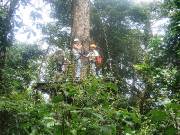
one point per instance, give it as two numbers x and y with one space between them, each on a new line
92 46
76 40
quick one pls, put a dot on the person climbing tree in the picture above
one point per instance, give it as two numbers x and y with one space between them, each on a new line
77 53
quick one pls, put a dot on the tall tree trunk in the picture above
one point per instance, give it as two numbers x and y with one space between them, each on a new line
81 28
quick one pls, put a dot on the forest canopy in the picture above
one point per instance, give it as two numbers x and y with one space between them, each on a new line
130 88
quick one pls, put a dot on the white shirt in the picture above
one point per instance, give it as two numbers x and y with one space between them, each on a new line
93 53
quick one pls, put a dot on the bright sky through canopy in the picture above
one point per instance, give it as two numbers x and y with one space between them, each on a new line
29 23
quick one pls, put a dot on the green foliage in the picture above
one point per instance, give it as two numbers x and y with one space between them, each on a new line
21 115
172 46
21 67
55 35
91 107
159 70
149 104
116 28
62 9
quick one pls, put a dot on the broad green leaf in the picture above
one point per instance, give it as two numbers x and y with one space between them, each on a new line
158 115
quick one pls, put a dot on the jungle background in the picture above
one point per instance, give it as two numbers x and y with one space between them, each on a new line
139 95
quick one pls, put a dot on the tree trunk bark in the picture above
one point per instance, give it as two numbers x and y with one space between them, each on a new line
81 28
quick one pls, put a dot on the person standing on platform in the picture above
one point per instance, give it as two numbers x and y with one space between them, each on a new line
93 55
77 53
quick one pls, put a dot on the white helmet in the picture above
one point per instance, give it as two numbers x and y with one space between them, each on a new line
76 40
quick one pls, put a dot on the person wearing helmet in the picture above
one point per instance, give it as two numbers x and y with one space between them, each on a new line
77 51
93 53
